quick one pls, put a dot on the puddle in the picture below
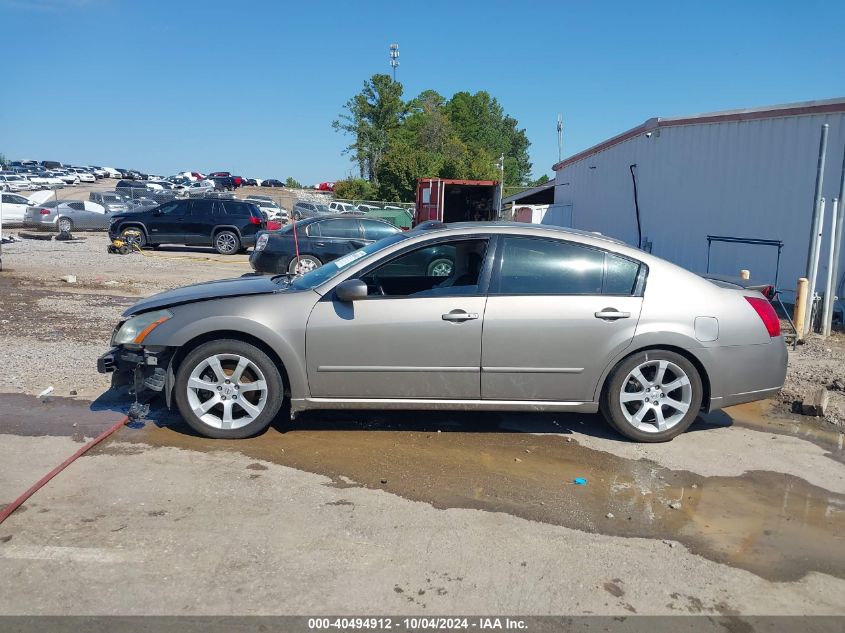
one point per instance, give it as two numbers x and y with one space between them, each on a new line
775 525
764 416
26 415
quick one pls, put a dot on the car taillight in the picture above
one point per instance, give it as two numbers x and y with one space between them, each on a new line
45 212
273 225
254 220
766 313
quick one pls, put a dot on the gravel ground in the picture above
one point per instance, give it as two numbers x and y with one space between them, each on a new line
818 363
51 331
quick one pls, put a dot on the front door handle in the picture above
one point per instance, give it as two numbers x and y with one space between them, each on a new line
611 314
319 243
458 316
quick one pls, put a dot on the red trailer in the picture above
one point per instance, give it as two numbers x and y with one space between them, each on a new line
456 200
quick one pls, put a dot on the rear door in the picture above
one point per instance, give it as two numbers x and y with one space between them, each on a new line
557 312
200 221
335 238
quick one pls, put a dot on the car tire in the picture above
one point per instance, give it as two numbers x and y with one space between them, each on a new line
303 264
635 414
227 242
64 224
440 267
262 403
134 236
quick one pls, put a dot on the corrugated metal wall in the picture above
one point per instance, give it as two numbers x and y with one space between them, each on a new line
751 179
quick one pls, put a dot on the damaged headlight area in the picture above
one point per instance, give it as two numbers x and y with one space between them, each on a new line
135 329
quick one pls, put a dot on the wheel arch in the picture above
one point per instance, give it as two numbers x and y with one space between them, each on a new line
183 350
691 357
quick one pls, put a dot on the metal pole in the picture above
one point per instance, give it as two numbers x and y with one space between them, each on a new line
827 310
837 230
816 240
817 200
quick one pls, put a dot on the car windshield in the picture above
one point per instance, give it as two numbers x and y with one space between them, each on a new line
328 271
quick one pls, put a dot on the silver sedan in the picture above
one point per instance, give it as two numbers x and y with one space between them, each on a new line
529 318
67 215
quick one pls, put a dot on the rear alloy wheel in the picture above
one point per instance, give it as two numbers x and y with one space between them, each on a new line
227 243
65 224
303 264
228 389
653 396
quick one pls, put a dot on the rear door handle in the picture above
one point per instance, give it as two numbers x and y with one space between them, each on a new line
610 314
458 316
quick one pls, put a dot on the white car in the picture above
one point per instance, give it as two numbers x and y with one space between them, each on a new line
45 181
84 176
14 182
199 189
342 207
67 177
12 208
111 172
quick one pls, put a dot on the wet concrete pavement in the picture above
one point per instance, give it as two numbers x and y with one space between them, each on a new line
777 525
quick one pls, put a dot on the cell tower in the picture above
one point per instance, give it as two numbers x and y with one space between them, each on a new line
394 58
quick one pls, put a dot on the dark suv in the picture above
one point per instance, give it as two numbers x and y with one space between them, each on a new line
227 225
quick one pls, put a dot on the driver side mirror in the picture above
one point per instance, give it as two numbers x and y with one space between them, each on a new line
351 290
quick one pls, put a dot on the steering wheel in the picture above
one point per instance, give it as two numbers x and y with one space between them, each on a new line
378 286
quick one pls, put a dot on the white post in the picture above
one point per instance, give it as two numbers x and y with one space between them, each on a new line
829 290
814 268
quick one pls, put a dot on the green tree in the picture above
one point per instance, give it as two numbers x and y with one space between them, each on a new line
355 189
371 117
292 182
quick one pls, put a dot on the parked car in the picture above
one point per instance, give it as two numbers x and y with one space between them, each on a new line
223 183
15 182
67 215
564 321
227 225
67 177
319 240
309 210
141 204
272 183
199 188
272 211
250 182
324 186
82 174
342 207
112 201
111 172
13 208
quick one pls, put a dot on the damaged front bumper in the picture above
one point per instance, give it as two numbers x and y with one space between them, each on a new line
142 369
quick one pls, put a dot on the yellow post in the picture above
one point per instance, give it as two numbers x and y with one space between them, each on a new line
800 308
745 274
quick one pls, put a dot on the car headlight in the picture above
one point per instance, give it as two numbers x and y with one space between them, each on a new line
135 329
261 242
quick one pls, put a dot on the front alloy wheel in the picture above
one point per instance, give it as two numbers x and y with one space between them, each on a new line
653 396
303 264
228 389
227 243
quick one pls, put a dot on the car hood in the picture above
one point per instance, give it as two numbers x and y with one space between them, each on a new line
239 287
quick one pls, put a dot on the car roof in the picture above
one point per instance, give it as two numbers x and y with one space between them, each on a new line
523 226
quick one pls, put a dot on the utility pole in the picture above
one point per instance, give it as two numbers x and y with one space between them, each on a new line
501 183
559 138
394 59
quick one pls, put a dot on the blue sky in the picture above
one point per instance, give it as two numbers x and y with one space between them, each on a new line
253 87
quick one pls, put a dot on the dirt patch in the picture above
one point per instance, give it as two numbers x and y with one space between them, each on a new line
819 362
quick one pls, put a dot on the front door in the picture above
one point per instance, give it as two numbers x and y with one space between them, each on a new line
557 312
417 334
199 222
166 222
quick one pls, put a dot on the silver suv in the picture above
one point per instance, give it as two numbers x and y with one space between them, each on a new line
112 202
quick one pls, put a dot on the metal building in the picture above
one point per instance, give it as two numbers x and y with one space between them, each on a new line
740 173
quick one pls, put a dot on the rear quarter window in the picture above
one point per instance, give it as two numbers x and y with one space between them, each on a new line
620 275
236 209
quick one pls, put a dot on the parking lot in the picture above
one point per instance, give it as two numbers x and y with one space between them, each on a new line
386 512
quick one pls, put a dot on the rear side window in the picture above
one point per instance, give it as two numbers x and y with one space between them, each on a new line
620 276
550 267
235 209
202 208
340 228
376 230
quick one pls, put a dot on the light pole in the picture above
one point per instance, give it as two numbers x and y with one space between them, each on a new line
394 58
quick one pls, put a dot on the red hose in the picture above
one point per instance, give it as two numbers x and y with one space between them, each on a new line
295 241
4 514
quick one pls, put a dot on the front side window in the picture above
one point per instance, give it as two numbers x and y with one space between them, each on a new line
376 230
435 270
551 267
172 209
